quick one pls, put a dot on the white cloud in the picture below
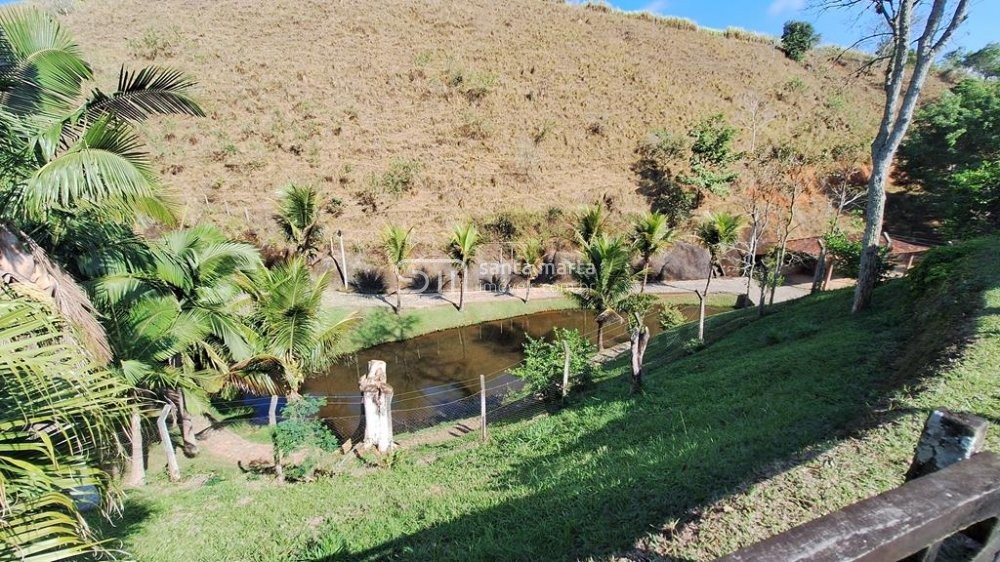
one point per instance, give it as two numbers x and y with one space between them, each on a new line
779 7
654 7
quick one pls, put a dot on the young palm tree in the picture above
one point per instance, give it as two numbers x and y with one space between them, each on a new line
590 225
298 217
530 254
462 248
606 278
651 233
56 424
297 336
719 233
398 246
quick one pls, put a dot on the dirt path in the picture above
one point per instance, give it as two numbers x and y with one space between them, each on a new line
223 443
722 285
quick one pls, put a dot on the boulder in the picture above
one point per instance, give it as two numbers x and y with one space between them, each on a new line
683 261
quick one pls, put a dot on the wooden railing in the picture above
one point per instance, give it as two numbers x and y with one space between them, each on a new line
950 513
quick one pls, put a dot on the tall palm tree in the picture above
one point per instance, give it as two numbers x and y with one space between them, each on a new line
57 423
462 247
651 233
298 217
606 278
530 254
398 246
297 337
590 225
719 233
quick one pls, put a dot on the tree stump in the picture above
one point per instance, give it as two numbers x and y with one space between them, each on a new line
377 398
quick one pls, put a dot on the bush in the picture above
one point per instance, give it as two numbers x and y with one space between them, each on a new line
542 368
671 317
846 254
301 430
748 36
798 38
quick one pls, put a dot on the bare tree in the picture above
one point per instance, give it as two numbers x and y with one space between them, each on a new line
940 19
755 115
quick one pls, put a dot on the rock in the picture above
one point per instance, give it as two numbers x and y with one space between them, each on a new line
681 262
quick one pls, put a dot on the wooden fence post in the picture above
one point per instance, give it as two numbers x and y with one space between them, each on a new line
948 438
565 385
272 412
173 470
482 406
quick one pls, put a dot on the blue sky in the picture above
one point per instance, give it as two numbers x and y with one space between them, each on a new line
839 27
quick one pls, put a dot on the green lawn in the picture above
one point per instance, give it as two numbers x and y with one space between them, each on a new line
777 421
380 325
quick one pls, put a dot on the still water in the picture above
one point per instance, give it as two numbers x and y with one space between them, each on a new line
435 377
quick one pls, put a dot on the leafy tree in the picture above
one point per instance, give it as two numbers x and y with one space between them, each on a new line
297 336
650 235
398 246
951 151
671 316
298 217
712 154
530 254
932 23
544 362
798 38
301 430
719 233
985 61
606 280
462 247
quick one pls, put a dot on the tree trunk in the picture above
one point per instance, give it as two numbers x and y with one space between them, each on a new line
461 289
527 291
173 469
399 293
639 340
377 399
645 275
763 295
137 469
600 334
190 446
820 271
272 412
702 297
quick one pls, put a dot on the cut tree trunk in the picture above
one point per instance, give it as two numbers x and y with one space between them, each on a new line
137 468
702 297
377 399
173 469
639 340
176 396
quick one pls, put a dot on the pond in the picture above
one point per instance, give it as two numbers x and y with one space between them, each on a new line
435 377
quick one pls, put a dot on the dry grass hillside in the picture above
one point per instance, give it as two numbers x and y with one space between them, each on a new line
486 106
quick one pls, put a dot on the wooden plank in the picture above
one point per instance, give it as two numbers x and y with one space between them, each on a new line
893 525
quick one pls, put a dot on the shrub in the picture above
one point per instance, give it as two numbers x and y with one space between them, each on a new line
475 127
671 316
472 84
542 368
677 23
741 34
155 44
301 430
334 206
798 38
846 253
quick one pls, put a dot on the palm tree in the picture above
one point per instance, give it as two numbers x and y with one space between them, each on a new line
719 233
398 246
297 337
606 278
530 253
69 151
590 225
462 248
651 233
56 424
298 217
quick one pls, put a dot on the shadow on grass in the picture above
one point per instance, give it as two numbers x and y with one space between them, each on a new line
132 517
597 476
381 326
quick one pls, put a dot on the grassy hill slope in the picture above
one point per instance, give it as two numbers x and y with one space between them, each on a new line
777 421
521 104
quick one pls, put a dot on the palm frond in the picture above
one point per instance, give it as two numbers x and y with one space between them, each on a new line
143 93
